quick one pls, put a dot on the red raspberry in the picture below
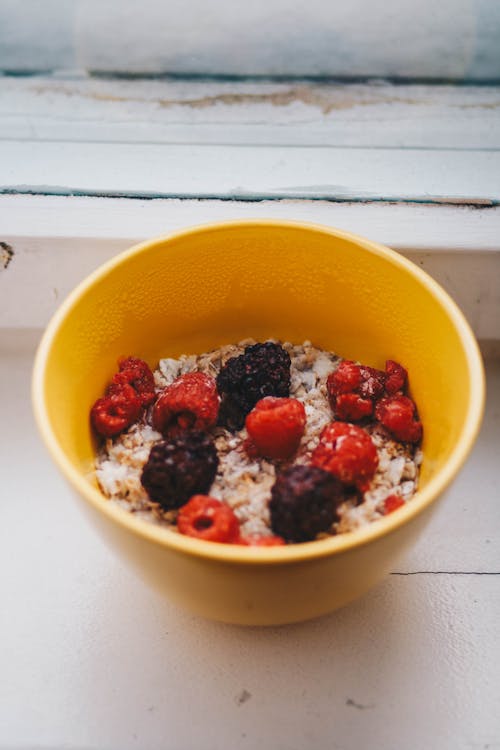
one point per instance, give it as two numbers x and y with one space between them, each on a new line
114 413
256 540
137 373
372 382
275 426
397 377
392 503
349 407
347 452
345 379
397 415
206 518
352 389
190 402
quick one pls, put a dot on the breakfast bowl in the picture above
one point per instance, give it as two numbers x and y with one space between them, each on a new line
198 289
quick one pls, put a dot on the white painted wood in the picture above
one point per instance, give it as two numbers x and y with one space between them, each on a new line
79 108
93 659
63 135
249 172
429 228
58 241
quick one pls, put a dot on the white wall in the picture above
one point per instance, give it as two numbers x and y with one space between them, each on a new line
450 39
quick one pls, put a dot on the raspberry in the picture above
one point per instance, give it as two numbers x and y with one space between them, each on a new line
206 518
262 370
256 540
303 503
114 413
352 390
372 382
349 407
178 468
397 377
191 401
276 425
345 379
398 415
136 373
392 503
348 453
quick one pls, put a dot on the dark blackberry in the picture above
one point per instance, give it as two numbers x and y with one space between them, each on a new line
179 468
303 502
263 370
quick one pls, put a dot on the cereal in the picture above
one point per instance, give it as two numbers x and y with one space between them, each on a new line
244 482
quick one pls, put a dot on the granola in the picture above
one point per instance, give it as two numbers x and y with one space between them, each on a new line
245 483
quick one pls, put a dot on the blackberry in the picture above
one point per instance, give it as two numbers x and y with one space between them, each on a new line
303 502
179 468
263 370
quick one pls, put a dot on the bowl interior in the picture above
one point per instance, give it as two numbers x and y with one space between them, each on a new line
213 285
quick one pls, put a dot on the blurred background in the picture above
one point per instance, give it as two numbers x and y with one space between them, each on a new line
402 39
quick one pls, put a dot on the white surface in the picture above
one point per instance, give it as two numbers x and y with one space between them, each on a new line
70 107
58 241
93 659
250 140
249 172
432 229
401 38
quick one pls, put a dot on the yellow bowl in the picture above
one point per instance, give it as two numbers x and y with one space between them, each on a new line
200 288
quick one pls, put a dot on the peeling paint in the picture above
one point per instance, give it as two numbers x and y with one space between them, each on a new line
247 196
471 202
325 99
485 105
6 255
309 95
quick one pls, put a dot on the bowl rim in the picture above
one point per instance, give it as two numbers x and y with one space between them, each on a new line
293 553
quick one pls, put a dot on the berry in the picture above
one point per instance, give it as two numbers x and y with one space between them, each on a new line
348 453
352 389
275 426
398 415
262 370
392 503
178 468
397 377
303 503
206 518
191 401
256 540
350 407
114 413
345 379
136 373
372 382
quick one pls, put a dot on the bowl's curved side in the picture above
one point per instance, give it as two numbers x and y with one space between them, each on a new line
275 592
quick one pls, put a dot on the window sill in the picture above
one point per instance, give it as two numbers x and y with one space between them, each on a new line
414 167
